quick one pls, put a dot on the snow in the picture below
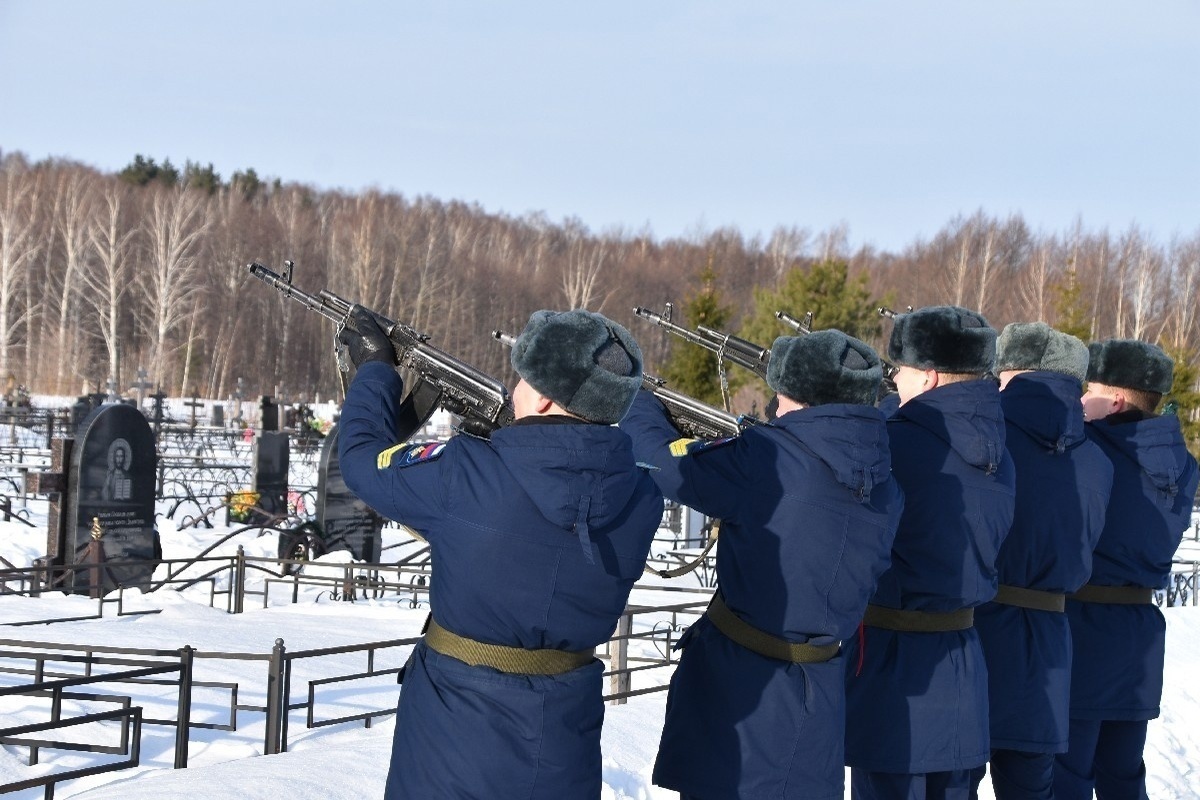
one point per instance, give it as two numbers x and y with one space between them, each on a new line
349 760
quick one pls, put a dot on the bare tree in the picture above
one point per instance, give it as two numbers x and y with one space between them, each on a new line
110 236
173 230
72 224
18 247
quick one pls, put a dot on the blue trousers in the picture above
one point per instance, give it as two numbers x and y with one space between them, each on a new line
1018 775
1104 755
955 785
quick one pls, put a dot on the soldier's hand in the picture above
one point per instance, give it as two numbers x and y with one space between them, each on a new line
365 340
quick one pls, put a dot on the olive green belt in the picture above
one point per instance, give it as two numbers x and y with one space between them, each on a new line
759 641
1030 598
899 619
514 660
1117 595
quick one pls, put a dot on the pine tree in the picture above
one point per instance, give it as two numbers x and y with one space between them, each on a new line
1069 305
1183 400
692 369
826 290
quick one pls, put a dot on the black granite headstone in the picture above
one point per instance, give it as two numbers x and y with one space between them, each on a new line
218 416
271 475
270 414
111 498
341 515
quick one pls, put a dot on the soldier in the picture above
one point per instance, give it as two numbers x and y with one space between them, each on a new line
916 687
1118 632
808 510
537 536
1063 482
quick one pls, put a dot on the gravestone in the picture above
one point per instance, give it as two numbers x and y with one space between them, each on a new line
270 414
270 476
341 515
218 415
110 499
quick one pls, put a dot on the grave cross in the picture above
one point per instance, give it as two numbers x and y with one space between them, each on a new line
194 403
142 385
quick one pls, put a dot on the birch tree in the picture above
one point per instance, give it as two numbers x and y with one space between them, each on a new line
19 246
109 238
173 230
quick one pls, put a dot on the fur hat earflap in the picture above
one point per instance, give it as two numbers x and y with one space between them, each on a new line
824 367
583 361
1131 364
1035 345
943 338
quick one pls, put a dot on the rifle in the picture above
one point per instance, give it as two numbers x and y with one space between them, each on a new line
691 416
442 380
802 327
889 369
727 347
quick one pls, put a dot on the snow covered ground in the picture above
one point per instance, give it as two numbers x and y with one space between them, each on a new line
349 760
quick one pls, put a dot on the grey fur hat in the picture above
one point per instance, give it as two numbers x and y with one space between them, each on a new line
585 362
824 367
944 338
1130 364
1035 345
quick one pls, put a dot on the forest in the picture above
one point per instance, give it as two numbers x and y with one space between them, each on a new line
103 275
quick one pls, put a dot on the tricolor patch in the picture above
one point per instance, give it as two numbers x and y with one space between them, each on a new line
405 455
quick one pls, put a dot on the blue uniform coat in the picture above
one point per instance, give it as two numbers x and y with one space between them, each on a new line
808 511
537 537
1119 649
917 702
1063 482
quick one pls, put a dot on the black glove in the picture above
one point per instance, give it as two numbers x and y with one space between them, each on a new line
365 340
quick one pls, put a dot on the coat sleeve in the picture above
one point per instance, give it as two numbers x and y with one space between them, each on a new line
708 476
404 482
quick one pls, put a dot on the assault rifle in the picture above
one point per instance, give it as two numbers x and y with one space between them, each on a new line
691 416
802 327
727 347
442 380
889 369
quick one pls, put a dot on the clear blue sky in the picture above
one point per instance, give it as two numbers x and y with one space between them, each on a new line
890 117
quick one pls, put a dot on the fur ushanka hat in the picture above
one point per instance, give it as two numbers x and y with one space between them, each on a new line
1130 364
585 362
943 338
824 367
1035 345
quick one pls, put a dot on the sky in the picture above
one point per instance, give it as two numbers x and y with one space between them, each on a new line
674 117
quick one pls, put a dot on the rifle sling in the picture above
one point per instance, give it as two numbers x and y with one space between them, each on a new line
686 568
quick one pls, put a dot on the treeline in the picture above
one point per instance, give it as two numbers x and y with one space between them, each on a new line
101 274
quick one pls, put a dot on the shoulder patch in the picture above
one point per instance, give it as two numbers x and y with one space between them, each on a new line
687 447
405 455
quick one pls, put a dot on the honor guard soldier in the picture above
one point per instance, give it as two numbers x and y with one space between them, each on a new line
1063 483
1118 632
537 536
917 720
808 511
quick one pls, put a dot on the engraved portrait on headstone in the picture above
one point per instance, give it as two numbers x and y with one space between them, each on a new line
117 483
